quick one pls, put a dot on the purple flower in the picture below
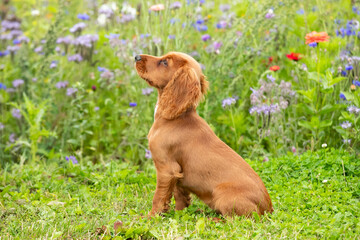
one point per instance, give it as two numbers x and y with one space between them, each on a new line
132 104
101 69
96 109
83 16
53 64
156 40
270 14
78 27
18 82
10 25
345 124
205 37
23 39
71 91
72 158
112 36
222 25
61 84
12 138
86 40
270 77
347 141
13 49
175 5
348 67
16 41
75 58
39 49
127 18
228 102
171 36
201 28
224 7
356 83
65 40
4 53
342 96
217 45
314 44
147 154
16 113
106 75
2 126
147 91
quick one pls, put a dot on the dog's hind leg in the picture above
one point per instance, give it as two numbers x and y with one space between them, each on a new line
182 198
229 199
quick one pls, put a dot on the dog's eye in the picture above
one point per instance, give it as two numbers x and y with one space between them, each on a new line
164 62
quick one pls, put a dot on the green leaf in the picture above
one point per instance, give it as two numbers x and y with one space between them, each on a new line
200 225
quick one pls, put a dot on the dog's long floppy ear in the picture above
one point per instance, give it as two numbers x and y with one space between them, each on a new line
182 92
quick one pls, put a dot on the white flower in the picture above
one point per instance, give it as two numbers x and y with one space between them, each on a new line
324 145
126 8
35 12
325 181
102 20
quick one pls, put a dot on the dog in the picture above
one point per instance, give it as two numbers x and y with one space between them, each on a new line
188 156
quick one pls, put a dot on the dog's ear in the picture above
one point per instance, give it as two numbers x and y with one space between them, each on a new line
181 93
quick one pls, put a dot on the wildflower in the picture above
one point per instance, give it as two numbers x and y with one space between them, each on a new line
324 145
86 40
348 67
65 40
147 91
23 39
270 14
217 45
356 83
201 28
266 159
61 84
228 102
294 56
34 79
343 73
35 12
205 37
13 49
147 154
39 49
175 5
12 138
270 77
171 36
75 58
112 36
316 37
274 68
314 44
16 113
223 24
4 53
157 7
71 91
132 104
72 158
84 16
352 87
224 7
156 40
2 126
304 67
93 87
300 11
17 82
174 20
345 124
53 64
78 27
342 96
293 149
325 181
96 109
101 69
106 75
2 86
347 141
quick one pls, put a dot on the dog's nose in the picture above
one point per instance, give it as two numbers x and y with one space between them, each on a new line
137 58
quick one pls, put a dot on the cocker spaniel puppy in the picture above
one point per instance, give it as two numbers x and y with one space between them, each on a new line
188 156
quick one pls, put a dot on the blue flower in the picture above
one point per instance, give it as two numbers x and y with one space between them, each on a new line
101 69
4 53
2 86
132 104
343 73
342 96
205 37
356 83
171 36
314 44
72 158
112 36
83 16
16 41
300 11
348 67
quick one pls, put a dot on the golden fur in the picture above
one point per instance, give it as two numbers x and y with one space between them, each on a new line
188 156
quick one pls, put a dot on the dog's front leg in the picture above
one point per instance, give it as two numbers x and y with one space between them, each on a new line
166 178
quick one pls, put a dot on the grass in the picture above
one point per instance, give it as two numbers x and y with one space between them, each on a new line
315 195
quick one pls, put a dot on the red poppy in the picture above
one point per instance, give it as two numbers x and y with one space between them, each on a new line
274 68
294 56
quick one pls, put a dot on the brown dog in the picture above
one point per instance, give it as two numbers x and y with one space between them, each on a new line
188 156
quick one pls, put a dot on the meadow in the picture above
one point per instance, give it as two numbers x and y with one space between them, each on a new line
284 94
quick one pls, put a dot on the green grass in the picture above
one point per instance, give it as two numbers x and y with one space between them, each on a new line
315 195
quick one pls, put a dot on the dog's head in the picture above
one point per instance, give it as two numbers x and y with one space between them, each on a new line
179 79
